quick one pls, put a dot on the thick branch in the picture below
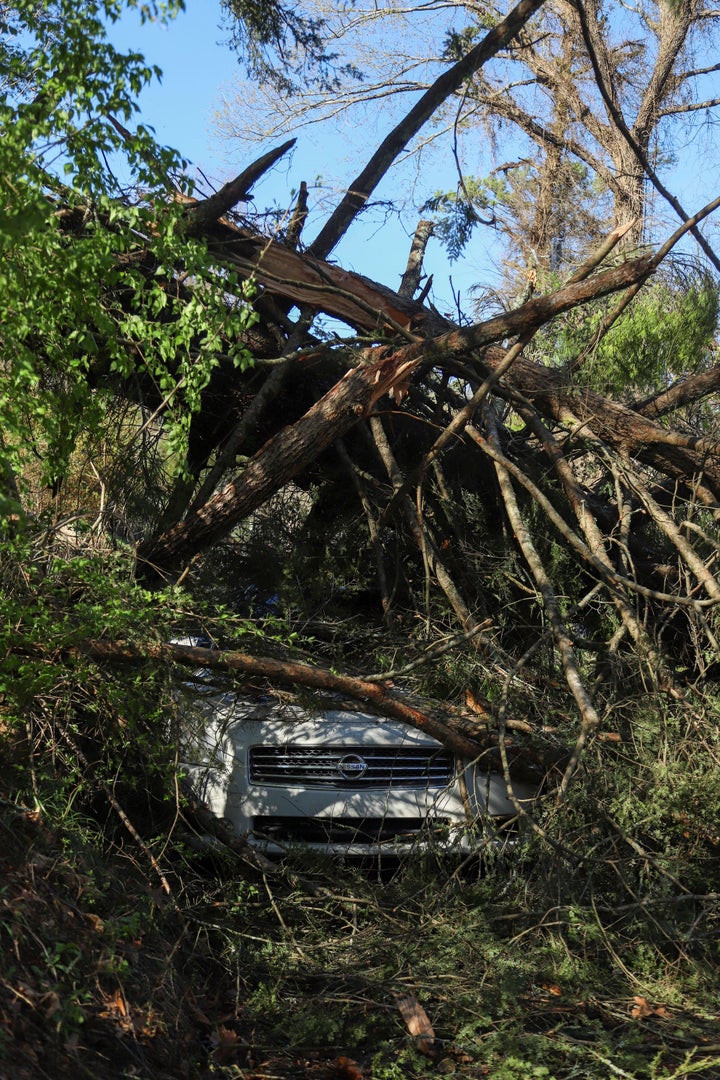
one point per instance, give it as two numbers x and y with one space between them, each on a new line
633 143
695 106
363 304
290 451
451 731
202 214
685 392
299 214
590 720
683 457
674 28
413 271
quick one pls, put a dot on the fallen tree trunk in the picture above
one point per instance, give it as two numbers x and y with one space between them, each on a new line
291 275
289 452
369 306
692 460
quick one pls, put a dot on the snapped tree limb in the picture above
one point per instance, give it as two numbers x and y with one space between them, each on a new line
363 186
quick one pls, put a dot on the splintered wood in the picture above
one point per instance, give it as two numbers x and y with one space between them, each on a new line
417 1023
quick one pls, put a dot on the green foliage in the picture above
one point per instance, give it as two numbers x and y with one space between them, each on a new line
95 288
667 801
514 986
665 334
70 726
459 42
550 212
49 607
459 213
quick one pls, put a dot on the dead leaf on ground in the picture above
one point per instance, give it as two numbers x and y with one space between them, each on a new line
348 1069
198 1014
51 1004
116 1009
226 1046
642 1008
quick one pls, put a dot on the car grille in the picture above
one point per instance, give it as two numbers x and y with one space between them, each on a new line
345 830
351 766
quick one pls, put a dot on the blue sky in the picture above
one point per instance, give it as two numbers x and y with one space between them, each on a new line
196 66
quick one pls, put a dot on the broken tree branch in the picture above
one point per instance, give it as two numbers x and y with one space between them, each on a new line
525 763
353 397
589 719
684 392
413 271
209 210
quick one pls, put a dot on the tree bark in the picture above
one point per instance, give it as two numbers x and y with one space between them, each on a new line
632 158
204 212
685 458
305 280
685 392
413 271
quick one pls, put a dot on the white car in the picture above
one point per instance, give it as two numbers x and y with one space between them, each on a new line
334 780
